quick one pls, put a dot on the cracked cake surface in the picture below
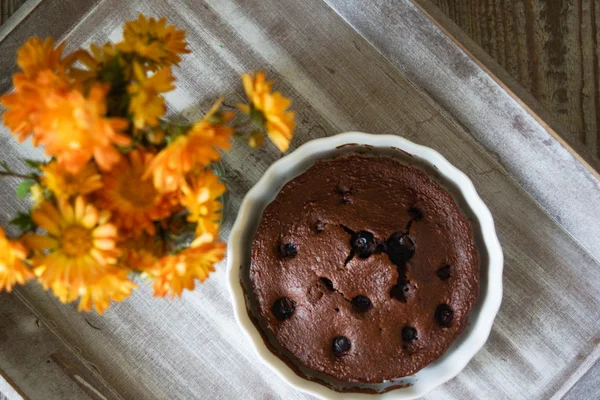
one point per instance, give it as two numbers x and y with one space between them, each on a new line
363 270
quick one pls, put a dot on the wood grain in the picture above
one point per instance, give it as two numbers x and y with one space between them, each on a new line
551 48
8 8
37 348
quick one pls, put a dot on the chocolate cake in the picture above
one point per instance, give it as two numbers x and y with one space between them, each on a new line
363 270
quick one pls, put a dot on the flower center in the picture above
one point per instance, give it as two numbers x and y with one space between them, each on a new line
76 241
71 184
139 193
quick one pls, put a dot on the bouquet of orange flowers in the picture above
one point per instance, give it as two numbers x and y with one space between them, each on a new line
122 185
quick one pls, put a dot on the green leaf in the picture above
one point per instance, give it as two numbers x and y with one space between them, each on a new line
5 166
112 72
35 164
23 221
257 117
23 188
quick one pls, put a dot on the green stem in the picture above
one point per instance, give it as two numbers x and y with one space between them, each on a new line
228 105
16 175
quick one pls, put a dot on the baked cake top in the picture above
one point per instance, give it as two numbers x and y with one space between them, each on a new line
363 269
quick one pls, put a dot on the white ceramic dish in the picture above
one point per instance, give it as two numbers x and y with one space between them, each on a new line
456 182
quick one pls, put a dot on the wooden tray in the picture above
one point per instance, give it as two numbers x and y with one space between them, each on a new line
377 66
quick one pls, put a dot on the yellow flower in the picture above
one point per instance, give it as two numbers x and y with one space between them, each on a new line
65 184
201 200
113 285
13 269
195 149
74 128
37 195
269 109
154 40
133 201
179 271
79 247
96 61
147 105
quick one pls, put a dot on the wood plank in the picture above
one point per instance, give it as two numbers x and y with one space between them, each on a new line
191 348
8 389
588 387
8 8
47 18
32 356
551 49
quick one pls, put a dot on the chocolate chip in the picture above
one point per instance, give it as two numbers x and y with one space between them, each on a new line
443 272
409 334
400 248
340 345
397 293
403 291
363 243
288 250
283 308
361 303
415 213
444 314
326 282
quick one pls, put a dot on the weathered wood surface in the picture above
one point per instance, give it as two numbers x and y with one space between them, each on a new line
37 360
551 48
191 348
8 8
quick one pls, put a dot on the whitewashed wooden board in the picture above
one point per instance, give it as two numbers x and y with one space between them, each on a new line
380 67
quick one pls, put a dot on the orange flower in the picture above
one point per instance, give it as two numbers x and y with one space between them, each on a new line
36 56
79 247
154 40
13 269
134 202
71 126
179 271
195 149
269 109
113 285
74 128
65 184
201 200
147 105
44 73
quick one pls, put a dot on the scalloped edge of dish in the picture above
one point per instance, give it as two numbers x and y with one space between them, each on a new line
482 316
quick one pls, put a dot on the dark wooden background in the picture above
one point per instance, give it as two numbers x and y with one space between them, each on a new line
551 47
8 7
